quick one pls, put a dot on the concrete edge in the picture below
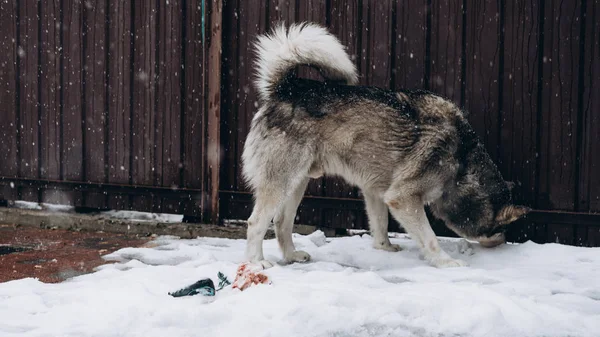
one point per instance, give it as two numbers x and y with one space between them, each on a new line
95 222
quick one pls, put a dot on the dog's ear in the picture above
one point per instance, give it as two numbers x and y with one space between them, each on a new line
510 213
510 185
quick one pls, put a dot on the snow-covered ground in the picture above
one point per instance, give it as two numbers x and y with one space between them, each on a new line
349 289
128 215
143 216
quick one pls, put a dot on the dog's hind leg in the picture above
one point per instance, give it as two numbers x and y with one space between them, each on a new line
410 213
284 224
265 206
271 198
377 211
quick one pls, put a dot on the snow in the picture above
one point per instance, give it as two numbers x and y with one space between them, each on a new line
27 205
128 215
144 216
349 289
42 206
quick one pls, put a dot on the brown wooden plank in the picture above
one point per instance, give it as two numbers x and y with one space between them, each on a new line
95 108
214 10
446 49
29 94
144 93
195 115
410 43
58 196
519 110
282 11
376 43
168 112
118 201
230 167
589 179
588 198
50 93
562 234
559 105
593 237
143 169
482 81
119 91
520 92
253 21
8 94
29 146
7 192
72 84
119 99
50 89
521 231
230 95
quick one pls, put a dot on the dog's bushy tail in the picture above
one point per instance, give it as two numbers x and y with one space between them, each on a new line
282 50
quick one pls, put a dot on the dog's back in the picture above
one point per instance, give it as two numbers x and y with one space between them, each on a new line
366 135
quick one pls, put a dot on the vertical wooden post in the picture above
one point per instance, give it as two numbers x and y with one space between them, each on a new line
213 34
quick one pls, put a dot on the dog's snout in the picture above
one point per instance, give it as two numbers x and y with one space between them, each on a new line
493 241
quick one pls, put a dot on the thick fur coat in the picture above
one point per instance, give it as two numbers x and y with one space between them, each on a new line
403 149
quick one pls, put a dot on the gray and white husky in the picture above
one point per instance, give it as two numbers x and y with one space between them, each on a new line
404 150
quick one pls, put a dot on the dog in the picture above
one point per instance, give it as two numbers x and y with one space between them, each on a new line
404 150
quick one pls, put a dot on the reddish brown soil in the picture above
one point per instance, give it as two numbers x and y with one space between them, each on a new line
56 255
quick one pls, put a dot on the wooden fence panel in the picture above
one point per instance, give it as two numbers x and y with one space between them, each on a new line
72 92
282 11
482 64
168 111
50 89
446 49
410 54
213 70
95 108
120 75
9 97
29 96
230 95
589 127
560 103
50 97
194 124
519 114
143 168
376 45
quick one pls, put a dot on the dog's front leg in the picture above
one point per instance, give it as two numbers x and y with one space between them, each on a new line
410 213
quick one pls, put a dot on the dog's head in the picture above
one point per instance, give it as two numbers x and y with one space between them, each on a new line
477 204
479 210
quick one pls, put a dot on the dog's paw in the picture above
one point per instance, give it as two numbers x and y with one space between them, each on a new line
266 264
448 263
298 256
390 247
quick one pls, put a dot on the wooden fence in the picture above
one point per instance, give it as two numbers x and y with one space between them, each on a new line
111 104
146 105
